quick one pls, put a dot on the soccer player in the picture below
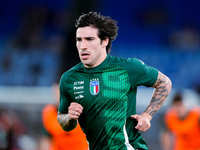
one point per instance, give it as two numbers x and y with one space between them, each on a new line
100 91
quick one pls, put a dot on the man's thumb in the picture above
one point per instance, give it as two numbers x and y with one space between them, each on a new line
134 116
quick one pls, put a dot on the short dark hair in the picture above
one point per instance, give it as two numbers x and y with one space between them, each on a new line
107 27
177 98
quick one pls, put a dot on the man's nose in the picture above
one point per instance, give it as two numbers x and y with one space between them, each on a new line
83 45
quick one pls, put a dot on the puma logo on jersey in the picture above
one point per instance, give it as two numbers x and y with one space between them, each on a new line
78 87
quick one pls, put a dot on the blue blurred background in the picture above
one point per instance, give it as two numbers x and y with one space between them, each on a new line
37 44
36 40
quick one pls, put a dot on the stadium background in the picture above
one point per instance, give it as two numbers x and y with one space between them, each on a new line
37 44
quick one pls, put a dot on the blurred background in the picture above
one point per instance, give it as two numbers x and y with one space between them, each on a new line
37 45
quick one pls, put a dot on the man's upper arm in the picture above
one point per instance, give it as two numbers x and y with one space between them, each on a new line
162 80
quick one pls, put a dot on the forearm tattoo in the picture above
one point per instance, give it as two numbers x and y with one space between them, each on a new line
66 123
162 89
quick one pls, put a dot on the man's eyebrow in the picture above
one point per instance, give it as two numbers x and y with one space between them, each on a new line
87 37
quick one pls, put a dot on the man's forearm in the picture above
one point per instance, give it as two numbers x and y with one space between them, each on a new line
162 88
66 123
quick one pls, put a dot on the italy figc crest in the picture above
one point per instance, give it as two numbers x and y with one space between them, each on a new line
94 87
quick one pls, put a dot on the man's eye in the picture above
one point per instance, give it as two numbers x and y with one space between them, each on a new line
78 39
89 39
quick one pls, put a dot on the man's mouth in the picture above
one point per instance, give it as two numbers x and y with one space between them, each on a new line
84 55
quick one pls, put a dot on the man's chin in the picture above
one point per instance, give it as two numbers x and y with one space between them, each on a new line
87 65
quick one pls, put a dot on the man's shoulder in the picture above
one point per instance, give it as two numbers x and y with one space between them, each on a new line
48 108
195 111
124 60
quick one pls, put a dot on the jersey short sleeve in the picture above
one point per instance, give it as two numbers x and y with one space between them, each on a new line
64 98
140 73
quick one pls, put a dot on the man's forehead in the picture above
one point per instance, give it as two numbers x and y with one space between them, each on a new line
86 32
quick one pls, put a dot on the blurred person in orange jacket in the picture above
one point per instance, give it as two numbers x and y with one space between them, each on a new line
60 139
182 126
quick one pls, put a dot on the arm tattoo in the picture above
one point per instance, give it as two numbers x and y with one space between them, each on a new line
66 123
162 88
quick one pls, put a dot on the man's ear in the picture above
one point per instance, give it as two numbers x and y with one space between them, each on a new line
105 42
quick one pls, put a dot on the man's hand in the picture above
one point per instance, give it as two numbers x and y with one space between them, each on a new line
74 110
143 121
69 121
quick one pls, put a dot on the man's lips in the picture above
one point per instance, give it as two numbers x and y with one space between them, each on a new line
84 55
